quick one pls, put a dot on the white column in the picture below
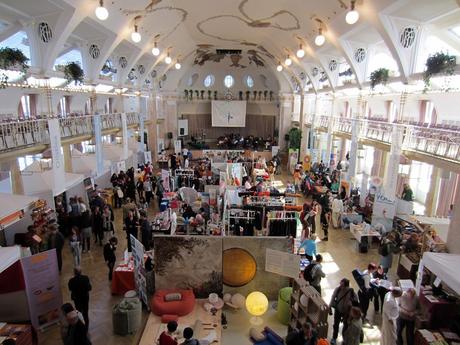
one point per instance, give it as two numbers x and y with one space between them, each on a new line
453 236
284 119
353 150
97 124
57 157
124 131
391 175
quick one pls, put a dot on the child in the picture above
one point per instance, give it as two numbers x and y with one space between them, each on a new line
167 337
188 335
75 246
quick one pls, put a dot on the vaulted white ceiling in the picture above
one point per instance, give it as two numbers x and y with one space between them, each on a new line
271 28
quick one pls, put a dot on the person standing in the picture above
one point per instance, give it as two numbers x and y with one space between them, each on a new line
390 316
407 194
167 337
352 334
309 246
407 309
313 273
341 301
109 254
325 224
56 240
365 292
131 224
337 210
107 224
75 246
146 230
86 230
97 225
80 286
148 189
386 249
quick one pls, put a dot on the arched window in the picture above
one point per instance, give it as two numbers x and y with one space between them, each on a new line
249 81
229 81
62 107
108 106
73 55
209 80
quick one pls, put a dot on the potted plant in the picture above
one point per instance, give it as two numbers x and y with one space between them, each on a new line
379 76
439 63
295 135
12 58
209 94
73 72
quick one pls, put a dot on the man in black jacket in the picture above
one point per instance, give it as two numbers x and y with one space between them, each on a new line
146 230
80 287
306 336
109 254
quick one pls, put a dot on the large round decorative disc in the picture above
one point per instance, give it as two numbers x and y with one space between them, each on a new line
239 267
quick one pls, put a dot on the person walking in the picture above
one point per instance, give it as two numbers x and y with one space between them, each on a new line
390 316
75 246
337 210
109 254
309 247
406 320
352 334
80 286
341 302
146 230
148 189
325 224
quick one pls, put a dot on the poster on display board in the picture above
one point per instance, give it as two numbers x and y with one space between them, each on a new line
161 144
222 182
121 166
383 211
139 269
306 162
43 288
177 147
282 263
293 159
147 156
275 150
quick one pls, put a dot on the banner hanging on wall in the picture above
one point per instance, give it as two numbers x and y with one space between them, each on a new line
124 131
282 263
43 288
177 147
99 147
147 156
139 269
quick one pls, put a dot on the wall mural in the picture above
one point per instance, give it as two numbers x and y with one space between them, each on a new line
189 263
150 9
206 53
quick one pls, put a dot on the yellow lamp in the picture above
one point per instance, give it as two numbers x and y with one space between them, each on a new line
256 305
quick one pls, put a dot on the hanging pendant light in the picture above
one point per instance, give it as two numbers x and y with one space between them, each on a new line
352 16
320 39
300 53
279 68
135 35
101 12
288 61
155 50
168 59
178 65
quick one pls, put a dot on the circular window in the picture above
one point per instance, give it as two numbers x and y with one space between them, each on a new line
229 81
209 80
141 69
153 74
360 55
249 82
44 32
407 37
314 71
302 76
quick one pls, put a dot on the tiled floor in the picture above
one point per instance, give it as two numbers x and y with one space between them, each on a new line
340 258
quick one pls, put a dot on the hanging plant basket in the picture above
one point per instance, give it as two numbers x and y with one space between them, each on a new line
379 76
439 63
73 72
11 59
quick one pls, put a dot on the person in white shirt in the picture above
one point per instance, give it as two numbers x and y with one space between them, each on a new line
337 210
186 163
390 316
407 310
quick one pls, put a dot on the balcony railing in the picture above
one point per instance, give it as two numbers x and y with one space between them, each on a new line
26 133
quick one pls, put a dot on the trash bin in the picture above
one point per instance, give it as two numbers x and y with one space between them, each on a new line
126 316
284 303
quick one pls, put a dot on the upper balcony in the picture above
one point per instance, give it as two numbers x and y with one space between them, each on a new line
27 134
436 142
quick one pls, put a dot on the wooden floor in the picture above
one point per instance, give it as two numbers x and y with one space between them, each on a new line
340 258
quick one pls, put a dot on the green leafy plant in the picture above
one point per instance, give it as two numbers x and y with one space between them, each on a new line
379 76
74 72
295 136
438 63
11 58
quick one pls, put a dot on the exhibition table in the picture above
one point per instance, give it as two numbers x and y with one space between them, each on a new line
123 279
